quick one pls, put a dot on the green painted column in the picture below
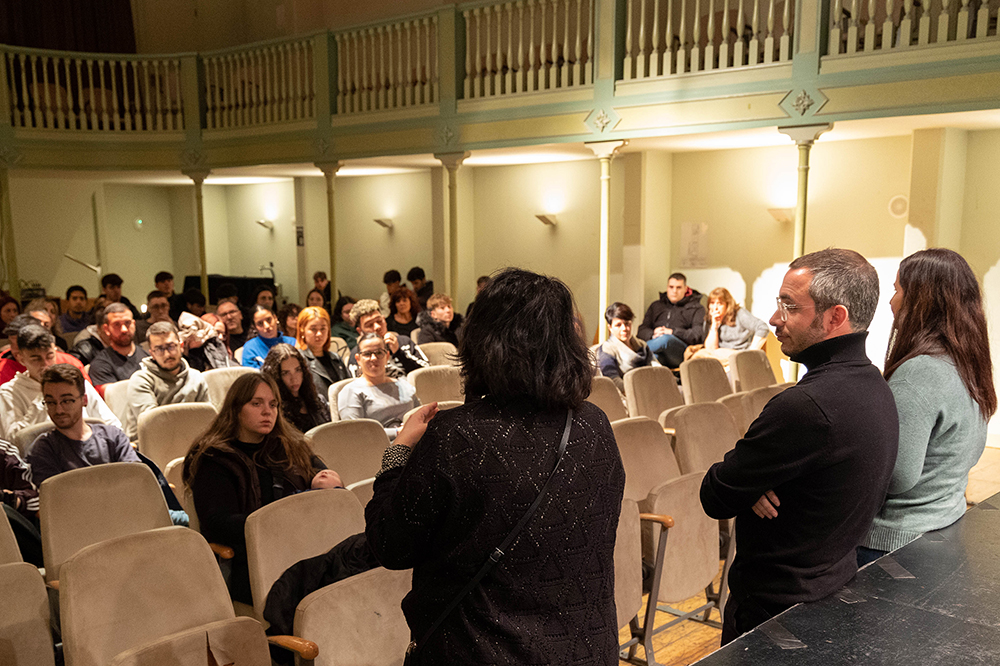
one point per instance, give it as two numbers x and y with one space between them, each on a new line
330 170
7 236
804 137
199 179
451 162
605 152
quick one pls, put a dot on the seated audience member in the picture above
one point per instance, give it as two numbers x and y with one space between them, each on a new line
304 407
10 366
232 317
41 309
314 299
157 310
9 308
268 335
121 358
481 282
403 312
204 342
322 285
20 503
164 282
21 400
264 297
227 291
111 288
288 319
343 326
249 457
673 322
941 376
439 323
730 328
376 395
405 357
76 318
164 377
313 340
622 351
391 280
423 287
194 302
91 341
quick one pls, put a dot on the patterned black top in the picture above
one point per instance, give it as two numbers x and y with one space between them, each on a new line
469 480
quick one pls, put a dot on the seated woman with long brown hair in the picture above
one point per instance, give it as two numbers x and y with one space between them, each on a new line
301 403
730 328
249 457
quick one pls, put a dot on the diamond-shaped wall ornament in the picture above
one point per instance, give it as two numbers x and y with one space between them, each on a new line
446 135
802 102
601 121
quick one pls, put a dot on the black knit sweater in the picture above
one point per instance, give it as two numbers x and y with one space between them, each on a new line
469 480
827 447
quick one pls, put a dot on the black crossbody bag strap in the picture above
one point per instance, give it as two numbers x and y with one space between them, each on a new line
499 552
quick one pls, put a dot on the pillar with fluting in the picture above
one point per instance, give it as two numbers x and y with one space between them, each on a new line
451 162
804 138
605 152
199 179
330 170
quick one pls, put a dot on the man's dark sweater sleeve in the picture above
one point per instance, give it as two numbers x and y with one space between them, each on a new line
645 331
782 444
694 334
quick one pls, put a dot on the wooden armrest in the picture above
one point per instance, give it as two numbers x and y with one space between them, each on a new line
670 431
225 552
54 584
665 521
305 649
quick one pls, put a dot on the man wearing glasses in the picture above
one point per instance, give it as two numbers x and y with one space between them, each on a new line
231 315
74 443
811 472
404 356
164 378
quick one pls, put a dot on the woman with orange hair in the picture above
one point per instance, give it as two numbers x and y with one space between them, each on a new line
313 339
730 328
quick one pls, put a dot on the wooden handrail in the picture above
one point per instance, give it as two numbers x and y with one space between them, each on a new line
665 521
305 649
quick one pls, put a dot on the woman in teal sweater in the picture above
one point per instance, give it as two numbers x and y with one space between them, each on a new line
939 369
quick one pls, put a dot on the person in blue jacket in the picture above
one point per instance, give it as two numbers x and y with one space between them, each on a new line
266 324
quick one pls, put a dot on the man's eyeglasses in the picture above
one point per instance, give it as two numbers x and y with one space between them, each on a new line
231 313
378 353
784 308
65 402
168 348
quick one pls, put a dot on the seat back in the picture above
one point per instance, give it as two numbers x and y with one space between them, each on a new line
704 380
340 347
352 448
415 336
628 563
219 380
605 395
133 590
437 383
705 433
440 353
25 636
752 369
116 397
9 552
736 404
294 528
332 394
651 390
357 620
691 560
756 400
442 406
646 455
168 431
93 504
363 490
240 640
25 437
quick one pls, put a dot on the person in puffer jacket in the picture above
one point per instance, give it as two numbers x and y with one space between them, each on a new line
674 321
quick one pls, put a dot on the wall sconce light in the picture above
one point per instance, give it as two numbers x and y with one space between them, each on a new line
547 219
782 214
384 222
267 224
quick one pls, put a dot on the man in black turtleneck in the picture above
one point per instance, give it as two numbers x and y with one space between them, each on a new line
810 474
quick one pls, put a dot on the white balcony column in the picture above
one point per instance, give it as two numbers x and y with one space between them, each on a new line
199 177
804 138
451 163
605 152
7 234
330 170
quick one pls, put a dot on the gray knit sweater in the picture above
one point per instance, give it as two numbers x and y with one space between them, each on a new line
942 434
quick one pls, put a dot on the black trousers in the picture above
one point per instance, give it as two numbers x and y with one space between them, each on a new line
743 614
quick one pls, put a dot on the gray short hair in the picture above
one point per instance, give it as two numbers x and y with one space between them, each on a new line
842 277
162 328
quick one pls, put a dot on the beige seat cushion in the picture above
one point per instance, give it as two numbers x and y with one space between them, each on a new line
352 448
240 641
605 395
25 638
752 369
9 552
704 380
440 353
651 390
167 432
219 380
646 456
437 383
628 563
705 432
333 394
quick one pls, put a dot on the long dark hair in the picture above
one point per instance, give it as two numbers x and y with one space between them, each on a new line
291 405
284 448
941 314
520 342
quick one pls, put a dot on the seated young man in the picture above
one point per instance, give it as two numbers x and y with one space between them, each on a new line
439 323
21 400
122 356
165 377
76 318
404 356
157 309
10 366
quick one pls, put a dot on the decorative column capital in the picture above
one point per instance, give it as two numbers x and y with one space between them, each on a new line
805 135
329 169
605 149
197 175
451 161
